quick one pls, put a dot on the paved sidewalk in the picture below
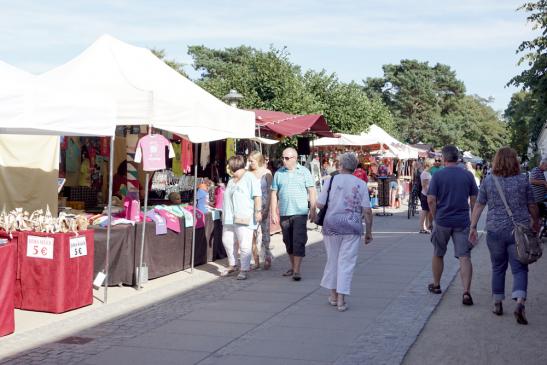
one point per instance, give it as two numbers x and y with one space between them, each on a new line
269 319
474 335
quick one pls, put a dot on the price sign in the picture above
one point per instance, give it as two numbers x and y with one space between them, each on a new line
40 247
78 247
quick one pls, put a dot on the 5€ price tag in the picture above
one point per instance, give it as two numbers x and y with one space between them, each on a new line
78 247
40 247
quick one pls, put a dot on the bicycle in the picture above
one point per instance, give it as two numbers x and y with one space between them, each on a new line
412 204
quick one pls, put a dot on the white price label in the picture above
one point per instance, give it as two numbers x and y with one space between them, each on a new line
40 247
78 247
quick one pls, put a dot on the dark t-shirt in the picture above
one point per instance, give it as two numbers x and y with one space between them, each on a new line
452 186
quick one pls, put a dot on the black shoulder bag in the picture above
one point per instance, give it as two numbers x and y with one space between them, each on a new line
321 215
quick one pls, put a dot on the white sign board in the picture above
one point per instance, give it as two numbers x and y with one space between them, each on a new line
78 247
40 247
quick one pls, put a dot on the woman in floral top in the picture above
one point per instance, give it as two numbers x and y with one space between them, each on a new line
348 204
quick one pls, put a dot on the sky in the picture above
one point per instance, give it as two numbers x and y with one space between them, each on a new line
352 38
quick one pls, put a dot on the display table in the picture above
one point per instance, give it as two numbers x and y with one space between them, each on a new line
163 254
54 271
7 287
121 259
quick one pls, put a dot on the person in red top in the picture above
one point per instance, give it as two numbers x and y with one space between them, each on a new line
360 173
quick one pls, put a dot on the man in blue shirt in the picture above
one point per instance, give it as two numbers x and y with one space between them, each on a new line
449 191
293 186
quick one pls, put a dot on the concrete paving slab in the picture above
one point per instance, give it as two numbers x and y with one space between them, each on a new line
231 316
254 360
193 342
242 305
291 350
340 337
120 355
182 326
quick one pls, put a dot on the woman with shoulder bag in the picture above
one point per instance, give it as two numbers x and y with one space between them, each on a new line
257 166
347 204
499 226
241 213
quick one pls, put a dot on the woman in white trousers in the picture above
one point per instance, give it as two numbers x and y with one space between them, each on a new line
348 204
241 213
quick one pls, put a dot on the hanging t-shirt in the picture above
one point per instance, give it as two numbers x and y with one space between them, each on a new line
187 156
177 169
204 157
72 156
151 150
230 148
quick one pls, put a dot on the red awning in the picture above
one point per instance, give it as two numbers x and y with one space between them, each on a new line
290 124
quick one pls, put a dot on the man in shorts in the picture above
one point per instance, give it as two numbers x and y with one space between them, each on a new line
293 186
452 194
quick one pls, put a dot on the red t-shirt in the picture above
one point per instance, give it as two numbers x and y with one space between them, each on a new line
361 174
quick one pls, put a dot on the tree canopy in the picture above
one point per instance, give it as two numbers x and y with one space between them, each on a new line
269 80
527 110
430 106
413 101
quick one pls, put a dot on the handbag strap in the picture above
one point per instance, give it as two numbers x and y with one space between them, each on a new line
502 195
328 192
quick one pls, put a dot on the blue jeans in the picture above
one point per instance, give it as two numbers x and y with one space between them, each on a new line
502 252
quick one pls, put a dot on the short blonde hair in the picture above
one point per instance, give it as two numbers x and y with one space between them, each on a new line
428 163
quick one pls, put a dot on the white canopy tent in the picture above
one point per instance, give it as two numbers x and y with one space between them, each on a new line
29 105
399 149
345 140
147 91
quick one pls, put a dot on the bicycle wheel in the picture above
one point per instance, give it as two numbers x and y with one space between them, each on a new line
409 210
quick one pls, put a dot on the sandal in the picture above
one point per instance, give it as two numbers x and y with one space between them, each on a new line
227 272
424 231
435 289
342 307
289 272
267 263
333 301
466 299
296 276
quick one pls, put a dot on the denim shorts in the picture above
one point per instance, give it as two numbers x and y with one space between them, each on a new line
423 202
460 237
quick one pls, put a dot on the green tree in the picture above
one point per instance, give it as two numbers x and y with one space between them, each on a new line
269 80
420 98
177 66
345 105
530 116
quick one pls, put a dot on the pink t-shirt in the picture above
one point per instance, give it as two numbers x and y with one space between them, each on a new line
151 150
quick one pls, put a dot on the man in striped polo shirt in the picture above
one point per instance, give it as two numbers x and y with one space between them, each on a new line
293 185
539 185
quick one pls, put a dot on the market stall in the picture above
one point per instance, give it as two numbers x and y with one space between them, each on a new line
7 286
147 90
52 271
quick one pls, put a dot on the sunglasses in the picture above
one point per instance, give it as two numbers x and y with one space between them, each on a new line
437 160
287 158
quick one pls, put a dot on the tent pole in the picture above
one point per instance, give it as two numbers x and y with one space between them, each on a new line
109 227
195 207
260 143
139 279
147 179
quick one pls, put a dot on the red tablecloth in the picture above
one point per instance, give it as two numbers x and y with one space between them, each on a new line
7 281
54 271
